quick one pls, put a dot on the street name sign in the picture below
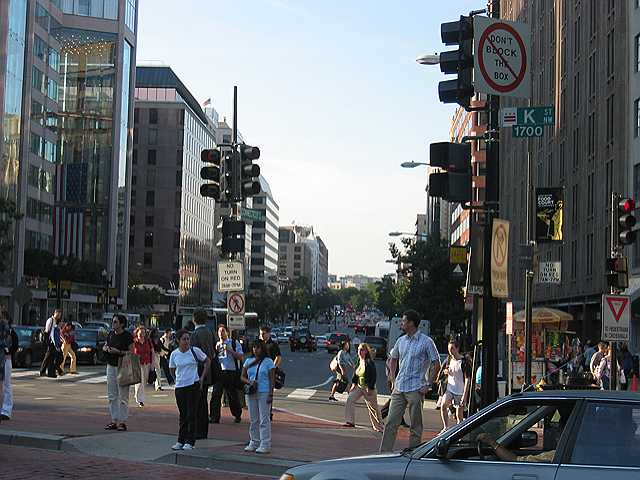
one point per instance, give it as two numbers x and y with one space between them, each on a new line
251 214
616 316
235 303
230 276
527 131
527 116
499 258
550 272
502 57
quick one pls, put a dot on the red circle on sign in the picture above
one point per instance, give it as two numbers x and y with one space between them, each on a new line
523 66
236 303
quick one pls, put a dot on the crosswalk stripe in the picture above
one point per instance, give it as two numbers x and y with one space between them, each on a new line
99 379
302 394
24 373
308 394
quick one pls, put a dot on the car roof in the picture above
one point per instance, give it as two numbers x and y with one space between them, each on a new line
580 394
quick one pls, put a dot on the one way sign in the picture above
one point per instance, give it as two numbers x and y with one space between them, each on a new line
616 315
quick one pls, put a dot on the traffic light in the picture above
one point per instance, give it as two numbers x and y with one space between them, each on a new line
617 272
454 184
458 62
231 186
249 171
626 221
212 174
232 241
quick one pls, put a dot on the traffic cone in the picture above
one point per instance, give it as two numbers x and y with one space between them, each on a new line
634 383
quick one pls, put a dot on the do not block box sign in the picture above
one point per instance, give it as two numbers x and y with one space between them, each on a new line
616 316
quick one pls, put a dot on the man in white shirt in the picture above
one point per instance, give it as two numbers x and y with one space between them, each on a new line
49 360
230 355
413 355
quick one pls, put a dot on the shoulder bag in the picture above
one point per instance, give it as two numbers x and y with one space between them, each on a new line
129 370
252 388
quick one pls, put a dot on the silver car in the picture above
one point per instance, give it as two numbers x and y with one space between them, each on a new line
552 435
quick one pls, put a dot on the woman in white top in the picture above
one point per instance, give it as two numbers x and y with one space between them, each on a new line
258 375
183 364
456 371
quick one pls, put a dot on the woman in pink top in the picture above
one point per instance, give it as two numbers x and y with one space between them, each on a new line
143 348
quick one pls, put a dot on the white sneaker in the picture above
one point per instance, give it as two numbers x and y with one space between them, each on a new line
177 446
250 448
188 446
263 450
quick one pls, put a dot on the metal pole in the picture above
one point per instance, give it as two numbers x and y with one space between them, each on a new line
528 276
489 304
613 374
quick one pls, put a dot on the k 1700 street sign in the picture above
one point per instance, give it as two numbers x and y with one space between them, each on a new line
502 57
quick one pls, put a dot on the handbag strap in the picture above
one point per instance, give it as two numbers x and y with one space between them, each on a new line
195 356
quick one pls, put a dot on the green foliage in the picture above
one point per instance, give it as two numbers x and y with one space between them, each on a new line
8 215
39 263
144 298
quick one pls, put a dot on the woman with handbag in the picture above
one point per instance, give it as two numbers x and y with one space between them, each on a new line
143 348
118 344
258 376
363 384
340 365
184 363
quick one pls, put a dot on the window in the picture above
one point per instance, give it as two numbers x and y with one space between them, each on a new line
132 240
136 115
132 220
130 14
178 178
151 199
179 155
153 116
592 74
637 53
148 239
151 179
296 257
148 221
134 158
37 79
576 148
589 240
151 157
54 59
296 265
39 48
608 435
52 89
37 112
153 136
636 121
611 48
148 260
180 117
610 119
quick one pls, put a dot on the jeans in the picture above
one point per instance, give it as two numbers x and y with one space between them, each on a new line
370 399
139 387
118 396
187 399
7 390
260 415
399 402
227 381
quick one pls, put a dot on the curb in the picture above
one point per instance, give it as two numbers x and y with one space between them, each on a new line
33 440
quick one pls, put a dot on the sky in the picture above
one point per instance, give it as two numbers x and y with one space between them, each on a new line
331 93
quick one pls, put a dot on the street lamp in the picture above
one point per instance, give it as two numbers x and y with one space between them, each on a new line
412 164
429 59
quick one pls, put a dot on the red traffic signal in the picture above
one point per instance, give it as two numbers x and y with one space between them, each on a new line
626 221
211 156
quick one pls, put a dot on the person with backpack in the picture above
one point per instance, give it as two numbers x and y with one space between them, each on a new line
456 372
340 365
184 363
230 355
258 378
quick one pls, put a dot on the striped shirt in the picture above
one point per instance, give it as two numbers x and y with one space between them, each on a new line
415 354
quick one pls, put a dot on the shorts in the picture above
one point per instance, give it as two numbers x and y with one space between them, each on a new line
456 400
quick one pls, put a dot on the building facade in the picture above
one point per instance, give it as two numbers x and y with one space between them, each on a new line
300 257
171 243
264 242
580 65
67 94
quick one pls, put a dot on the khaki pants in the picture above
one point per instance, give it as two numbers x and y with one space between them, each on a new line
399 402
139 387
68 351
371 400
118 396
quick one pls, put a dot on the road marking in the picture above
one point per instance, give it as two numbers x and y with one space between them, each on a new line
310 417
43 398
302 394
160 395
100 379
24 373
73 376
327 382
103 396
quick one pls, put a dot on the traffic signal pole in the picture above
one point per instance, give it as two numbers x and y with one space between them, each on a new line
489 334
528 275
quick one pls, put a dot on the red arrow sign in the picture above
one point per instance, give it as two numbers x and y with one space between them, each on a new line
617 306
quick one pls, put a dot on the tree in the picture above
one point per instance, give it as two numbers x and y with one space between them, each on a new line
144 298
8 216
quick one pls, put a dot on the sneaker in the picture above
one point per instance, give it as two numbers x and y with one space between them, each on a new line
122 427
188 446
111 426
237 420
177 446
349 424
250 448
141 404
5 417
333 399
263 450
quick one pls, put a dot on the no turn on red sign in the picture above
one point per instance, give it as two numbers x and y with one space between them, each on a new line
502 57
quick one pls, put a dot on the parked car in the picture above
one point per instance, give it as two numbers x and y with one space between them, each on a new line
96 324
379 344
301 339
321 341
335 340
31 346
553 435
90 342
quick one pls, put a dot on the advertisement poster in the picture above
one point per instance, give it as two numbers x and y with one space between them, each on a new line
549 214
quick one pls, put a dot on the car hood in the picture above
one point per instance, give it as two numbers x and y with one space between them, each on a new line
86 343
390 466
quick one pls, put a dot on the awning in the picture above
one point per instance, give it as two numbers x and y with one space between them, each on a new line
544 315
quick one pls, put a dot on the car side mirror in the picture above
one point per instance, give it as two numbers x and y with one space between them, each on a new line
527 439
442 449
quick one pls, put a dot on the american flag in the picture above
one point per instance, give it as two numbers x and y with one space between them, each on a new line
68 214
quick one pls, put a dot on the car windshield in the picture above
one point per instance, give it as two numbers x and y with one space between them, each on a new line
86 334
24 333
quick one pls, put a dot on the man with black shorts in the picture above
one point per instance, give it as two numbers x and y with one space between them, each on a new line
273 350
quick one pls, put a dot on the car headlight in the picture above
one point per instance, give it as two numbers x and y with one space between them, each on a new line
20 349
287 476
85 349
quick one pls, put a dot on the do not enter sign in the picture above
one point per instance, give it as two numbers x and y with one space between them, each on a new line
502 57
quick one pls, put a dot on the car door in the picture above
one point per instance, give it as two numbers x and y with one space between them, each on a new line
509 424
606 444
